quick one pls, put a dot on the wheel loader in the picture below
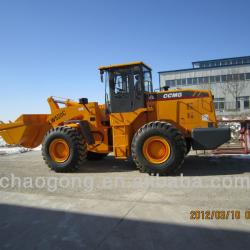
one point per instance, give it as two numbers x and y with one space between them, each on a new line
155 128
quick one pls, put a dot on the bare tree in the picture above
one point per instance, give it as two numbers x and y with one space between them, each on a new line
204 83
207 82
233 85
205 86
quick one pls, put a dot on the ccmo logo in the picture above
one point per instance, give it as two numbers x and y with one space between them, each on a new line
173 95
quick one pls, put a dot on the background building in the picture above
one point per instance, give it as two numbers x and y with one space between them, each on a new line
228 79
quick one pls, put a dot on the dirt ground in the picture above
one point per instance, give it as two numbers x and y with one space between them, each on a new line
108 204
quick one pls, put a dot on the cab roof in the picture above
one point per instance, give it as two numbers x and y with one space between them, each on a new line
123 65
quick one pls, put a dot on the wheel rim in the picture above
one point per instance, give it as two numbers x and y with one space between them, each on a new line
156 149
59 150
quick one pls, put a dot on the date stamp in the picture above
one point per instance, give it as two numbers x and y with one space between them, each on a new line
219 215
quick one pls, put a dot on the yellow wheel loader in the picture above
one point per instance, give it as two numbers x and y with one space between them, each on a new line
156 128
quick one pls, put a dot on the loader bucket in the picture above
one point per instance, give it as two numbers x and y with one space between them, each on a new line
27 130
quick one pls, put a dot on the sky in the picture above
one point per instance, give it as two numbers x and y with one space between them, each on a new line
54 47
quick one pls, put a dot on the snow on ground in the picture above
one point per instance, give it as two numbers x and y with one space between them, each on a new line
6 149
13 150
2 142
234 126
37 148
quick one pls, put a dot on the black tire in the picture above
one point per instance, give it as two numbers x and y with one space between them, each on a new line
92 156
188 143
77 149
174 138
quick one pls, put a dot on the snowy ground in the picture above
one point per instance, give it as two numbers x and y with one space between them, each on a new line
6 149
2 142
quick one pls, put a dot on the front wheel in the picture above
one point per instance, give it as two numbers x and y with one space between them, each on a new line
158 148
64 149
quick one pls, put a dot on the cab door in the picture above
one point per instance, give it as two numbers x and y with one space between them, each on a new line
126 90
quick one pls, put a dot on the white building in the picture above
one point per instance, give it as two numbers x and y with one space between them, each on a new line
228 78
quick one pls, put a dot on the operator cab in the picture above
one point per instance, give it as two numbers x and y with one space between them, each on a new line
125 86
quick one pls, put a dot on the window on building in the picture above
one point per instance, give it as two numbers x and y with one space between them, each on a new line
238 101
168 83
247 102
205 79
189 81
200 80
217 78
219 103
173 83
229 78
195 80
248 76
178 82
245 60
224 78
234 62
183 81
242 77
212 79
235 77
239 61
223 63
238 104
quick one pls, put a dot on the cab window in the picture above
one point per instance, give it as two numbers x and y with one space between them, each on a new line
137 83
121 84
147 80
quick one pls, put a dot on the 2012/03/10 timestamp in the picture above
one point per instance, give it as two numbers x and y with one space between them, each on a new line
219 215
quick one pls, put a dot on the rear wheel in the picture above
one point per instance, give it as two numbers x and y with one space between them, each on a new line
158 148
64 149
